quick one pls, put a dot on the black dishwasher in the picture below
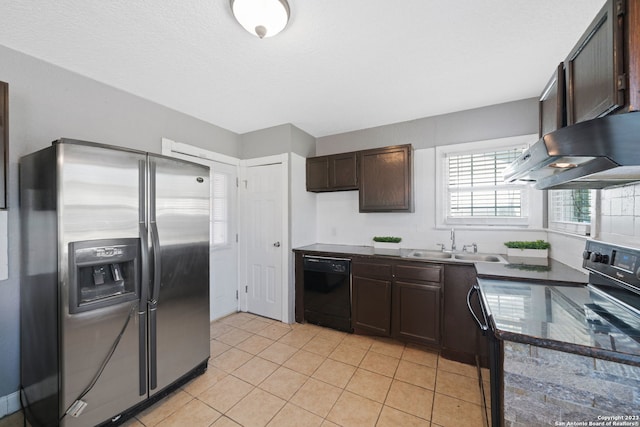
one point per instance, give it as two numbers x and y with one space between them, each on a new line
327 292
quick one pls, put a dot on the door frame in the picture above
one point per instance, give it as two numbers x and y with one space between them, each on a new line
283 161
187 152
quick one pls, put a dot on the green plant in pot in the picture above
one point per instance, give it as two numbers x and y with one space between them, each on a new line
535 249
387 239
387 243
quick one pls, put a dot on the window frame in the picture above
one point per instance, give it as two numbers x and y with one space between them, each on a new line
228 220
566 226
443 198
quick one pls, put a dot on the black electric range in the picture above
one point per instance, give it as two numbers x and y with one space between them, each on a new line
600 319
614 285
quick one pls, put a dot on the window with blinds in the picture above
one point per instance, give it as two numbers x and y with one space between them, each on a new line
220 218
476 188
570 210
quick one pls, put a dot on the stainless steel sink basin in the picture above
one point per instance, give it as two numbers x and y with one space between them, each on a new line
480 257
462 257
428 254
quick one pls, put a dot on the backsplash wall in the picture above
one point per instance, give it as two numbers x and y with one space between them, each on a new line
620 215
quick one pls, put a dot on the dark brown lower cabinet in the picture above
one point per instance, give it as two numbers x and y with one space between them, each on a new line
371 297
461 336
371 309
401 300
416 312
418 302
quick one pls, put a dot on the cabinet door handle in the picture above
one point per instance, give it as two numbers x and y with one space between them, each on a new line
276 244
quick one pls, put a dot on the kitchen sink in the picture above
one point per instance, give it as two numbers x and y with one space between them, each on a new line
428 254
468 257
480 257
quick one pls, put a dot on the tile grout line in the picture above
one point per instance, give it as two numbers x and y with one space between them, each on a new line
435 385
369 349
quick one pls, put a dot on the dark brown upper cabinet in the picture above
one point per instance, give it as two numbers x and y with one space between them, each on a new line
338 172
552 103
596 77
386 179
4 142
318 173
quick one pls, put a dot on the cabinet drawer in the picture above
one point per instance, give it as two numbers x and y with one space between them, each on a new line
427 273
372 269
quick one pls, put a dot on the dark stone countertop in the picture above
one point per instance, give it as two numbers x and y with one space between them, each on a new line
322 248
516 268
561 317
525 269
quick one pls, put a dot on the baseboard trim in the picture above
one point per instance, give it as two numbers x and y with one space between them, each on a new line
9 404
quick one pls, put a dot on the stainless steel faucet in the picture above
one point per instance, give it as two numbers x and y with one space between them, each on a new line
453 240
473 247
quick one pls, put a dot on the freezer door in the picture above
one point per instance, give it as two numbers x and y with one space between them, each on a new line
179 296
99 205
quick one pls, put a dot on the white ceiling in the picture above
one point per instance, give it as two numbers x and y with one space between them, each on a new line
340 65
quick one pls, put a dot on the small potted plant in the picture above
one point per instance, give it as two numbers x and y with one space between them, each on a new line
531 249
386 243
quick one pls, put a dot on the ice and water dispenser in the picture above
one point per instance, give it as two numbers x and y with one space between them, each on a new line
103 273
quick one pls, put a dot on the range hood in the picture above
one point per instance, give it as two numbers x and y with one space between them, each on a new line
597 153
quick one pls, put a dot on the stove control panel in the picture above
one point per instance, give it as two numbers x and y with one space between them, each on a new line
619 263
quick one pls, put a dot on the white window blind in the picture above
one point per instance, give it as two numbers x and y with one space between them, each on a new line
476 187
220 209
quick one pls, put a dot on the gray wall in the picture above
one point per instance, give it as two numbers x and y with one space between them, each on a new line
495 121
47 102
277 140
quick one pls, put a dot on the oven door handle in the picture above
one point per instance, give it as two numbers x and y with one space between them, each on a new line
483 327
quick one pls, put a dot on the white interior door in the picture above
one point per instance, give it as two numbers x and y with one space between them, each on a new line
224 242
264 240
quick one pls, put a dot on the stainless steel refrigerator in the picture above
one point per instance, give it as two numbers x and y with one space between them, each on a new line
114 281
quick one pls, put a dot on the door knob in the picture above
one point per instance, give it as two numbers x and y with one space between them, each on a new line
276 244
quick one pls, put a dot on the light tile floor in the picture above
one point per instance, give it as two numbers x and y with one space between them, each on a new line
266 373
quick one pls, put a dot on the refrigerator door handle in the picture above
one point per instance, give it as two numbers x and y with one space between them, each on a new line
157 262
144 279
142 309
153 305
155 237
157 273
153 342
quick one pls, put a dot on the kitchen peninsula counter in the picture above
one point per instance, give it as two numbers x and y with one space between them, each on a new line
526 270
559 360
560 317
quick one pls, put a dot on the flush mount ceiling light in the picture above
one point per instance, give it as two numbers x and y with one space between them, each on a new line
262 18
